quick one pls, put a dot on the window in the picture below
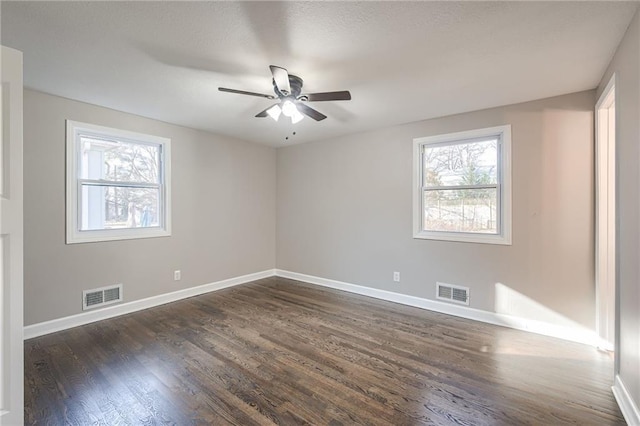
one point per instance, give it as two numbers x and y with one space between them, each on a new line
462 186
118 184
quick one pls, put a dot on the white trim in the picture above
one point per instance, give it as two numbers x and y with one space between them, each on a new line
603 345
579 335
629 409
59 324
567 333
605 251
504 185
606 93
12 247
74 235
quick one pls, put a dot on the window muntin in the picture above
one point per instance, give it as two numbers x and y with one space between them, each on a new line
462 186
117 184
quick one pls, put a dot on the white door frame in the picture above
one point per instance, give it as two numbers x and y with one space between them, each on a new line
605 244
11 240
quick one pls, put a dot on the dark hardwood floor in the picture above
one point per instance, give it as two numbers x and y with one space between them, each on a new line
284 352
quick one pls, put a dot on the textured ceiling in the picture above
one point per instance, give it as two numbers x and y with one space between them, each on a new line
402 61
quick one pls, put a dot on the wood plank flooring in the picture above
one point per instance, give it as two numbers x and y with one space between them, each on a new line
277 351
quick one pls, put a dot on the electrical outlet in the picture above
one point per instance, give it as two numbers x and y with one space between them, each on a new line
396 277
177 276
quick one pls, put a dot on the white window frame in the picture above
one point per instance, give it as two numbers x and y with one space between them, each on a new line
503 133
74 235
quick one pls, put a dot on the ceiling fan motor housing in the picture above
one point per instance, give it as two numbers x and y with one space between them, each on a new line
295 83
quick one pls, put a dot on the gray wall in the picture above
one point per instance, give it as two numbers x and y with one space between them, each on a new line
223 221
344 212
626 65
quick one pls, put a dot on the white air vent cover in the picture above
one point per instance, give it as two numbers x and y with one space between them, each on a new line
452 293
101 296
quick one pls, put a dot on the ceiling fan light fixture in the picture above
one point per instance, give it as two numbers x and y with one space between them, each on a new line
296 117
289 108
274 112
291 102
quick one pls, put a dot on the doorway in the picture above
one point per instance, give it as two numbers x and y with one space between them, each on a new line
11 244
606 216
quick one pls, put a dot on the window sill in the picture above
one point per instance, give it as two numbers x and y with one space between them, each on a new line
463 237
115 235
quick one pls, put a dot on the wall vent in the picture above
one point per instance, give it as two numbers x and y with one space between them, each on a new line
101 296
452 293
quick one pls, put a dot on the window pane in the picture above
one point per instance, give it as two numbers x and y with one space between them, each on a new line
473 163
119 161
461 210
116 207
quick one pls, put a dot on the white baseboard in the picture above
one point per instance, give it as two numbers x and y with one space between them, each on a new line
628 407
580 335
573 334
52 326
603 345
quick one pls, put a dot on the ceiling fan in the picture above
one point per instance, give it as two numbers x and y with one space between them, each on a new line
291 103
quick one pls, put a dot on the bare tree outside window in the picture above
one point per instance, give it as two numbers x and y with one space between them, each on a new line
118 184
460 187
122 187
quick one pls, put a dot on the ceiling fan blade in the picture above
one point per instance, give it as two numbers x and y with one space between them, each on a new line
243 92
307 110
281 77
264 113
328 96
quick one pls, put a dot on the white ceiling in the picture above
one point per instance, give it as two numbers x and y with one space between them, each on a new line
402 61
